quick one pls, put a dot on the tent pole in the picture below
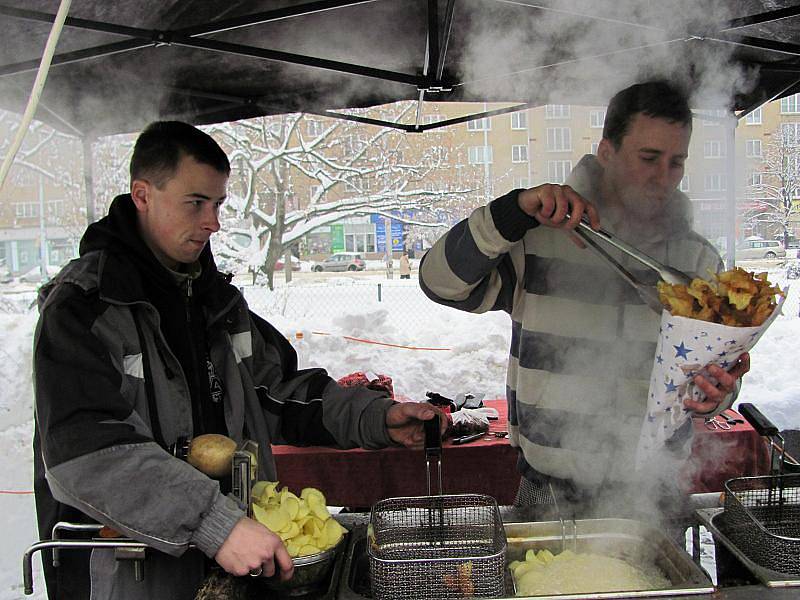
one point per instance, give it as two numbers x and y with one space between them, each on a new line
88 178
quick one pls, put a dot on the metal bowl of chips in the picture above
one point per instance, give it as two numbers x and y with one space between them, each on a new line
311 573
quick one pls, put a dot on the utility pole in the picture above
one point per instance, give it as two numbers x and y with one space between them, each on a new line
729 125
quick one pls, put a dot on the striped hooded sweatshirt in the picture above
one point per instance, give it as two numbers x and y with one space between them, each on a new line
582 341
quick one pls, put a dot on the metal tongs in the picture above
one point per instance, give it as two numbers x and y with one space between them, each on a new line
433 457
646 292
433 452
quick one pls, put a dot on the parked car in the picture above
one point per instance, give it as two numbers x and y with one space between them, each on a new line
295 263
341 261
756 249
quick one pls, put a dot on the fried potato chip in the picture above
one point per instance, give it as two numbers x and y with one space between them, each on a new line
737 298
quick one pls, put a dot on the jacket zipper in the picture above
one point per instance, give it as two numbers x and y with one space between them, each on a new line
188 307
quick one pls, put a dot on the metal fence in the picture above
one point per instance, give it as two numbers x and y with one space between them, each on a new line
323 302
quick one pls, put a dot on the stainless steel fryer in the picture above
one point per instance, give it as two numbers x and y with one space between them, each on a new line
636 542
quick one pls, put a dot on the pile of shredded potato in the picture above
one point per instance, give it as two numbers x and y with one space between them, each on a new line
542 573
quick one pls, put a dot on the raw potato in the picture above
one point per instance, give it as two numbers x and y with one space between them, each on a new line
212 454
303 523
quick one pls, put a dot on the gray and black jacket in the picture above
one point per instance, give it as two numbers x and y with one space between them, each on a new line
112 394
582 341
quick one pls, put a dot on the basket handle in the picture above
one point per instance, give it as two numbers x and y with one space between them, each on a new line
433 436
757 420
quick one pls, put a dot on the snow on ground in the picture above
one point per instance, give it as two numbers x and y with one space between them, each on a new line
474 359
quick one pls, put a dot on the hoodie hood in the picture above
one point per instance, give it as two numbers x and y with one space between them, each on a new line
585 179
117 235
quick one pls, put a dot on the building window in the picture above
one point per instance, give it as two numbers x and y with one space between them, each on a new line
558 139
753 148
484 124
314 191
558 170
519 120
789 105
480 155
791 133
753 118
315 128
712 149
556 111
429 119
595 146
519 154
684 184
26 210
359 242
720 113
755 178
520 183
714 182
597 118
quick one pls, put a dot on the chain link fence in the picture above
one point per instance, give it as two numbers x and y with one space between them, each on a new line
315 304
319 305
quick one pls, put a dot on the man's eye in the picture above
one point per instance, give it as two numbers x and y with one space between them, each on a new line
649 159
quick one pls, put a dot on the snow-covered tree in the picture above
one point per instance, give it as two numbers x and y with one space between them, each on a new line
775 199
44 188
294 173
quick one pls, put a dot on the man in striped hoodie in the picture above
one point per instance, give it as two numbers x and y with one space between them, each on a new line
583 341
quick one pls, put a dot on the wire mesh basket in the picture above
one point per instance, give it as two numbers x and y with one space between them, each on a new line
762 517
437 548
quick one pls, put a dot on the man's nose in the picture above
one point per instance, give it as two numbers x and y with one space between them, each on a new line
211 219
663 174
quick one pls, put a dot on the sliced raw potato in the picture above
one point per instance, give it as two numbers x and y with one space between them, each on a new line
291 504
303 523
333 531
319 510
292 548
273 518
309 549
290 532
308 492
313 526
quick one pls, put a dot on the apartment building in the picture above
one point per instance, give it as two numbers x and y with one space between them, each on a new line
488 157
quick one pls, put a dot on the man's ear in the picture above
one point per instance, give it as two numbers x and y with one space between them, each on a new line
140 192
605 150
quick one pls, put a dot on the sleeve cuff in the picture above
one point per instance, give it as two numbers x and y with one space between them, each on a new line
373 427
509 219
216 526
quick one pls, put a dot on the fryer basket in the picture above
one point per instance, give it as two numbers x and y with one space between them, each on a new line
437 548
762 517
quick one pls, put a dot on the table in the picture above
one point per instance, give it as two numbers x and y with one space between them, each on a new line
358 478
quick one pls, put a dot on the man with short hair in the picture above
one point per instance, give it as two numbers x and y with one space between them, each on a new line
140 342
583 341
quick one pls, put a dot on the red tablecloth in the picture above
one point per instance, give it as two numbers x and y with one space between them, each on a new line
359 478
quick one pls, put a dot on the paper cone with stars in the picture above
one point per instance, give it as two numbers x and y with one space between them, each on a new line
685 348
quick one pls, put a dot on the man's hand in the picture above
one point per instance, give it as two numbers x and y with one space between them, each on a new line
715 394
251 547
550 204
404 421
